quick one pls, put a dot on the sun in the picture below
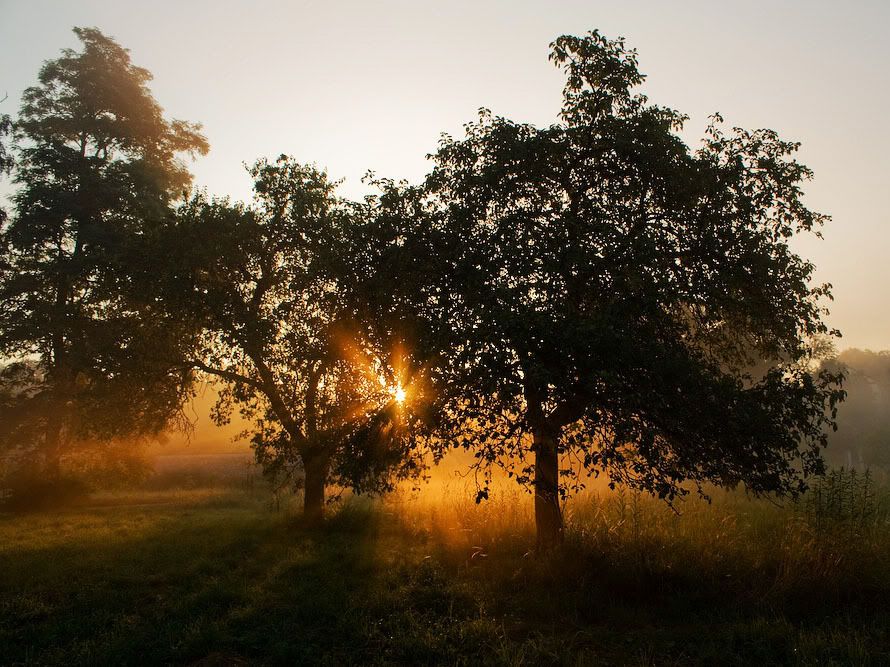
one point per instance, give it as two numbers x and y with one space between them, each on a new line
398 394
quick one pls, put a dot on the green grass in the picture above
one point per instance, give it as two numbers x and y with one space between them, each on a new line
217 578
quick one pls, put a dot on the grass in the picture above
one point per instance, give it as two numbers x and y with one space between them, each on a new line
213 577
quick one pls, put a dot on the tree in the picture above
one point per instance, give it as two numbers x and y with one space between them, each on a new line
97 167
6 160
257 283
602 292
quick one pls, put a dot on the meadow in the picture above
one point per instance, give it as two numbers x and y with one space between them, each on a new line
206 571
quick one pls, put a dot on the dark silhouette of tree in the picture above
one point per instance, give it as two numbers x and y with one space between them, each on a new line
6 160
97 167
595 293
5 157
258 285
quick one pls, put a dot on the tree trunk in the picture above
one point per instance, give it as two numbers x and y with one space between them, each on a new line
316 469
52 460
548 516
54 442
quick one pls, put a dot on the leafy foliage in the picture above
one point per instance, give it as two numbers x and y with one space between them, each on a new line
591 296
598 290
255 282
97 166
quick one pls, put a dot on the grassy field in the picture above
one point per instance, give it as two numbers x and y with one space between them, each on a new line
215 577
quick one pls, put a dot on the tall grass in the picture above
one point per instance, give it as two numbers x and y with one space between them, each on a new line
216 575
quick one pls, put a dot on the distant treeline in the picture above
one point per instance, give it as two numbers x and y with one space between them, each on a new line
862 439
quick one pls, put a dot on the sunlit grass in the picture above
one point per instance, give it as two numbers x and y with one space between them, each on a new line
183 575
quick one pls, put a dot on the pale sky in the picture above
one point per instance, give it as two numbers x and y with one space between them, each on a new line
355 86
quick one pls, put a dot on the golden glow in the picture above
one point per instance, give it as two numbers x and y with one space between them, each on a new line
396 391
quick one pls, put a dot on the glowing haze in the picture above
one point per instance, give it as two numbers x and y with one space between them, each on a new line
370 85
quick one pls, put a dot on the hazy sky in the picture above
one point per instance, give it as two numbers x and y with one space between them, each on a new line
370 85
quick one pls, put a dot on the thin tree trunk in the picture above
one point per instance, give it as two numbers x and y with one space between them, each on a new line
316 470
548 516
55 430
60 372
52 459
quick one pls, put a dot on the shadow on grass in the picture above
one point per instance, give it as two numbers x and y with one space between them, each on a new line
215 585
230 583
166 589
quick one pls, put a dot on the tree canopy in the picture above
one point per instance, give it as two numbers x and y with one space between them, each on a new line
596 294
97 166
257 285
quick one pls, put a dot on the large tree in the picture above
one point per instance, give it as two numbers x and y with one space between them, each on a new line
258 283
97 167
597 295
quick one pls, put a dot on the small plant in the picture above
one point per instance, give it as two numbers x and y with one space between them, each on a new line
844 498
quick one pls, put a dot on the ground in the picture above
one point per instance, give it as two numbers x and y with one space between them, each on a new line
218 576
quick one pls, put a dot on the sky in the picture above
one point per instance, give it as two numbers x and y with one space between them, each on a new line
358 86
